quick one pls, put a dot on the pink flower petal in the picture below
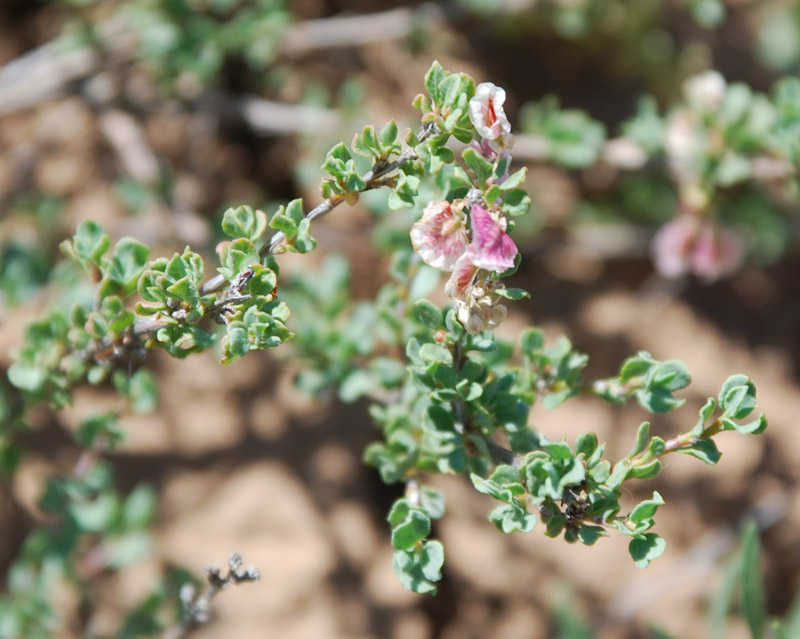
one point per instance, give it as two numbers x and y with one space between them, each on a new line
494 250
439 236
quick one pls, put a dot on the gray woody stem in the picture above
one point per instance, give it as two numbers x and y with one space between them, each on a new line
198 606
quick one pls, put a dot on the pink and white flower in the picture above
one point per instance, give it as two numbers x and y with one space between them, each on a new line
486 111
688 244
440 235
440 238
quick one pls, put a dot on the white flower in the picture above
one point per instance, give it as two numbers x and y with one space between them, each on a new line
486 111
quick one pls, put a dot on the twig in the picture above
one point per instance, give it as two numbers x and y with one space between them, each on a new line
198 606
270 117
129 143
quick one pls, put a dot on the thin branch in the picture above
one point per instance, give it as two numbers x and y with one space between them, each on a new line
198 606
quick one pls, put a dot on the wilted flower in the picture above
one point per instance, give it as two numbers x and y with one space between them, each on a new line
492 248
688 244
478 307
440 235
486 111
480 313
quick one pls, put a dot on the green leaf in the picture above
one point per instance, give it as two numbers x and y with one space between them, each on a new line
753 600
27 377
441 418
705 413
89 243
414 528
514 180
705 450
512 293
512 517
429 314
619 474
388 134
671 375
738 396
121 550
646 509
433 79
658 400
434 353
356 384
642 439
586 444
99 430
515 203
650 470
418 570
96 515
721 601
243 221
532 341
432 502
128 263
588 534
478 164
139 508
645 548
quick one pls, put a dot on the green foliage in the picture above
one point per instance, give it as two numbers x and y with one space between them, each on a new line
570 137
178 41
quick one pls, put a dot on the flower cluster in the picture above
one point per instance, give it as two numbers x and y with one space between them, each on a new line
694 139
467 237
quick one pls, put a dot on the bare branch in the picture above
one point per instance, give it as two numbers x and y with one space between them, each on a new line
198 605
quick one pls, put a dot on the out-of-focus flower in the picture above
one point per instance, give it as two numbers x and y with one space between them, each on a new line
705 91
717 252
486 111
440 235
688 244
672 246
683 143
492 248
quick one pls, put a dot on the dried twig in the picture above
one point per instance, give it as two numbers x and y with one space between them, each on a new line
198 605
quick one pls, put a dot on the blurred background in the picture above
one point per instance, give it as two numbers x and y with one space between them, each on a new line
152 116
